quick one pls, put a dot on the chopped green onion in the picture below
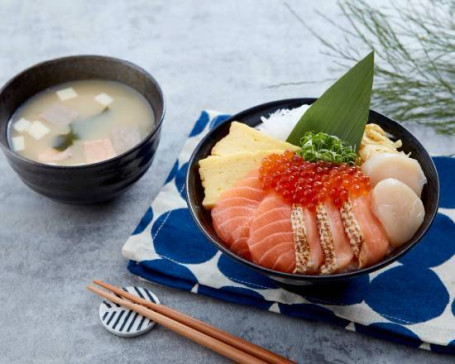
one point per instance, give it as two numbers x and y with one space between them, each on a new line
328 148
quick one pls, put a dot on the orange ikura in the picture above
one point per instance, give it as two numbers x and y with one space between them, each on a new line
308 183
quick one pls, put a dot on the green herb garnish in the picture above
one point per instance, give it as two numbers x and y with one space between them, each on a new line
328 148
343 109
64 141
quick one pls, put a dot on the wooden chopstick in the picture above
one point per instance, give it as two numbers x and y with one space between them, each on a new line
218 346
201 327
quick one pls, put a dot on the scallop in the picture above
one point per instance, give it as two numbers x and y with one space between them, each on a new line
395 165
398 209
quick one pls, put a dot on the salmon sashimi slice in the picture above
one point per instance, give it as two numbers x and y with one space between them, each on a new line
338 253
271 240
316 253
308 250
365 232
232 213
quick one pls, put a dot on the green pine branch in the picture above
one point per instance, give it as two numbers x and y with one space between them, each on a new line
414 44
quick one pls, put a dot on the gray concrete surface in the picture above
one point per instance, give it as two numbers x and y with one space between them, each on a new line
224 55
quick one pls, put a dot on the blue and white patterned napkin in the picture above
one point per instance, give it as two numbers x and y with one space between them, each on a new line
411 301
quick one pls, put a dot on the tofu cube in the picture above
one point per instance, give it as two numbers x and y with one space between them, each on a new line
37 130
18 143
66 93
125 137
98 150
59 115
22 125
104 99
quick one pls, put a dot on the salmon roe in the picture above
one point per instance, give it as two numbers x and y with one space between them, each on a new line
309 183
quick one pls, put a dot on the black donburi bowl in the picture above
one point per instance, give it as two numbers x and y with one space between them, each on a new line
85 184
251 117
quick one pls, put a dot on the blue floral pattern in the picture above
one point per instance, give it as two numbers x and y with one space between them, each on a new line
411 302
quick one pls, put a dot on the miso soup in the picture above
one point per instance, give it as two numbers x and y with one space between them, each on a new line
80 122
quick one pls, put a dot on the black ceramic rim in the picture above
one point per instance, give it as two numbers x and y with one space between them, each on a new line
150 135
290 276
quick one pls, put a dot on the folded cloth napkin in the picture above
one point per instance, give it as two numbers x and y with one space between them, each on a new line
411 301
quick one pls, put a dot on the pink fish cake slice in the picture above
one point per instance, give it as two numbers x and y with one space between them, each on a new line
59 115
51 155
98 150
125 137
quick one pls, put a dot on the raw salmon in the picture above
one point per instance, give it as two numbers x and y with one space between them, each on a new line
271 241
308 251
374 242
316 253
232 213
261 226
338 253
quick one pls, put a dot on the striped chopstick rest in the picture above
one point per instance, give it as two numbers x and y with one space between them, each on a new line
123 322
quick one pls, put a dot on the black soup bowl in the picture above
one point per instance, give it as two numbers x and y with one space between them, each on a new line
92 183
251 117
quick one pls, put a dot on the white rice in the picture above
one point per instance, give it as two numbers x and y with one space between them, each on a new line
280 124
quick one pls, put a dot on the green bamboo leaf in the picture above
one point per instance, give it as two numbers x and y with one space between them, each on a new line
343 109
